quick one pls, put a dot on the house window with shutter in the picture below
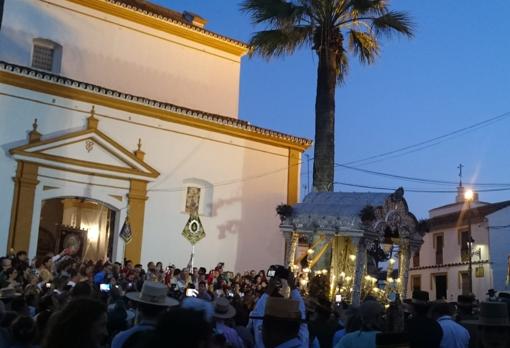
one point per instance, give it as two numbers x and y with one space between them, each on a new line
439 246
464 245
416 259
416 282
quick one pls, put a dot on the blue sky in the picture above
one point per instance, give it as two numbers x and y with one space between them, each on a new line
454 73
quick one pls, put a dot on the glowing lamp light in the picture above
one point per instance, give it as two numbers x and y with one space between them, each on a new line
348 279
375 289
352 257
392 261
367 278
386 306
92 232
398 280
310 251
306 270
468 195
324 271
390 279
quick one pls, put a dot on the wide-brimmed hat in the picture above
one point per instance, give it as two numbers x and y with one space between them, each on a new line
420 297
223 309
465 300
153 293
491 314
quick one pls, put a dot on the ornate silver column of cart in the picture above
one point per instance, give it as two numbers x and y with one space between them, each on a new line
292 244
404 263
361 260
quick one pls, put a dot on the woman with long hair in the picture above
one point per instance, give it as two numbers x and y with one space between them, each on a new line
80 324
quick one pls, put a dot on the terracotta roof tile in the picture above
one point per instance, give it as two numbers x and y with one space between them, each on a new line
169 15
456 219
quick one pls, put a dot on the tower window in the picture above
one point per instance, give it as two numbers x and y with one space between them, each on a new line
46 55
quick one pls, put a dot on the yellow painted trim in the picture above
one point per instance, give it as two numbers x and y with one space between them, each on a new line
22 209
165 26
141 124
136 212
23 151
148 111
294 161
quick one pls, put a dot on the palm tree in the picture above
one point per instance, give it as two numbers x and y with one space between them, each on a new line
323 25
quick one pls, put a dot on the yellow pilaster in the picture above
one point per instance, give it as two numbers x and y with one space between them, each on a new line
293 176
25 183
136 213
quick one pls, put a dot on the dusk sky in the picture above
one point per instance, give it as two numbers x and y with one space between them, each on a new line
453 74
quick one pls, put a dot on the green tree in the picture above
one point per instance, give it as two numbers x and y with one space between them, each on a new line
325 25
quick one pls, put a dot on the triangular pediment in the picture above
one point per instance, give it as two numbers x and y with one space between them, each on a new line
89 151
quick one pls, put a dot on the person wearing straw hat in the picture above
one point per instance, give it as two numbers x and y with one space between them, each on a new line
223 311
151 301
493 325
280 285
281 323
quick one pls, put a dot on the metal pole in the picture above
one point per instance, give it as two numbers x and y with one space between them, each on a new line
470 246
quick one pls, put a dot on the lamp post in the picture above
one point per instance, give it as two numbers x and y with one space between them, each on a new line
468 196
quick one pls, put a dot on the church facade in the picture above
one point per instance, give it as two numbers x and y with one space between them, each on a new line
118 113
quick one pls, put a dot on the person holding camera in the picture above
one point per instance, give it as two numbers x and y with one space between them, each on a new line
282 285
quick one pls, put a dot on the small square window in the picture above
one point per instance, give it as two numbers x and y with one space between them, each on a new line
42 57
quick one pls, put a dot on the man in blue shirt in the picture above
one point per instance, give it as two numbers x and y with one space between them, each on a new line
454 334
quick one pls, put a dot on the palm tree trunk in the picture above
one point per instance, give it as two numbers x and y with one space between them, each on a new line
324 150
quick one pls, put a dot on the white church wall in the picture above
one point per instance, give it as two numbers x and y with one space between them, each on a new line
119 54
248 180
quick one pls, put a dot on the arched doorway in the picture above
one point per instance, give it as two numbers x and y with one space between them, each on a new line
84 223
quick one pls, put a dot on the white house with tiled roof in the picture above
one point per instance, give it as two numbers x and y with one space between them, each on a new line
137 124
441 265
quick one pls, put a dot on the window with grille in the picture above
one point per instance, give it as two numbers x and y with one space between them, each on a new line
42 57
46 55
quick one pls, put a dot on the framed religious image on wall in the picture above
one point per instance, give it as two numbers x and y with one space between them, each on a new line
192 200
479 272
71 238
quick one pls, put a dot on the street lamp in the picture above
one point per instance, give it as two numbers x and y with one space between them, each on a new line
468 196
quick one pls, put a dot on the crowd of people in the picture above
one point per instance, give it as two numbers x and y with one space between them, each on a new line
58 301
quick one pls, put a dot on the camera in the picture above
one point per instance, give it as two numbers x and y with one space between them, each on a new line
338 298
105 287
48 285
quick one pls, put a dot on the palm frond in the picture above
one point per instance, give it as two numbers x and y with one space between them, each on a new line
277 42
277 13
342 61
393 22
368 7
364 45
